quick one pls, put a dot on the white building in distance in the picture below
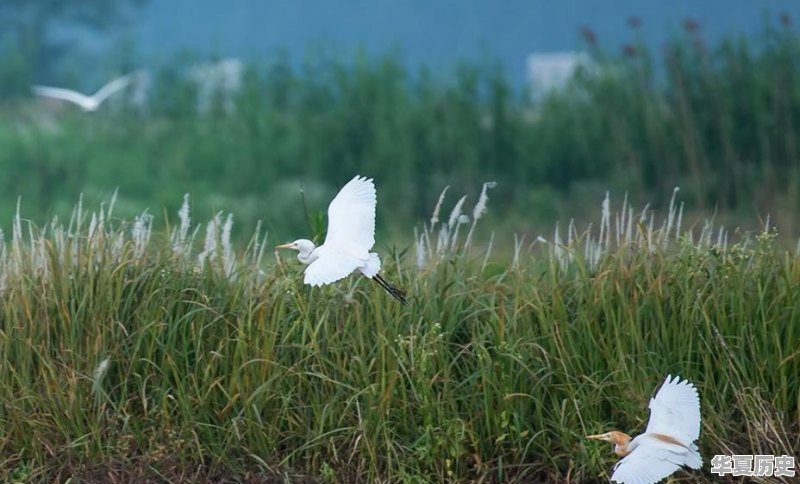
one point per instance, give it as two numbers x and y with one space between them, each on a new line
548 71
222 78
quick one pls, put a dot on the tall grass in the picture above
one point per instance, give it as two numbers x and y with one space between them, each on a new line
129 353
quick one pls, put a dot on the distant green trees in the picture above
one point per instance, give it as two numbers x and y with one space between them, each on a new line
720 122
35 34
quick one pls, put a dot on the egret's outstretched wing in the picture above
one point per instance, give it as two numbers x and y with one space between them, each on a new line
675 411
351 218
117 84
329 267
649 462
63 95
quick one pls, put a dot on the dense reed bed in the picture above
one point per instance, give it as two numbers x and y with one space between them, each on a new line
128 353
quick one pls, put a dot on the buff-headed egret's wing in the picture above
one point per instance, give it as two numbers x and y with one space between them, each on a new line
112 87
63 95
675 411
329 266
351 218
649 462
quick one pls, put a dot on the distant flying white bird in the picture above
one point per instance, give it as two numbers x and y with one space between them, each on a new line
87 103
667 443
351 235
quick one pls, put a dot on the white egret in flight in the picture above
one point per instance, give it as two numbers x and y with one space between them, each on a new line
87 103
667 443
351 235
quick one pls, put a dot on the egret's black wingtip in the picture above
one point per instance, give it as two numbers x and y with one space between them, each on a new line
396 293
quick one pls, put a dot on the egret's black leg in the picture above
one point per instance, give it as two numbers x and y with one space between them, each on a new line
393 291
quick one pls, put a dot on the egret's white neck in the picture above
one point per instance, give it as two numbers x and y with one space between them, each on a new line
305 254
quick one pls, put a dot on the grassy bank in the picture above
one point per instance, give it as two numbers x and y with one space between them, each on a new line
127 353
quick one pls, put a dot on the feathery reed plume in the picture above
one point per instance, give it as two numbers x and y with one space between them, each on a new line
479 210
179 236
435 216
517 247
419 242
210 245
228 259
98 377
447 232
140 233
488 251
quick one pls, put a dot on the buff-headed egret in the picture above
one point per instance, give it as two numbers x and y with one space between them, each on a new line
350 237
668 442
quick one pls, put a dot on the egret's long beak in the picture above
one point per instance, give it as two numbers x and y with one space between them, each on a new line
598 437
284 246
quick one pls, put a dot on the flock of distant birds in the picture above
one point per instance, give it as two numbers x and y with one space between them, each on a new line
668 442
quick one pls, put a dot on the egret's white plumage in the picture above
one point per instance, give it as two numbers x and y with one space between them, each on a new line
667 444
351 219
675 411
87 103
330 265
651 460
350 237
